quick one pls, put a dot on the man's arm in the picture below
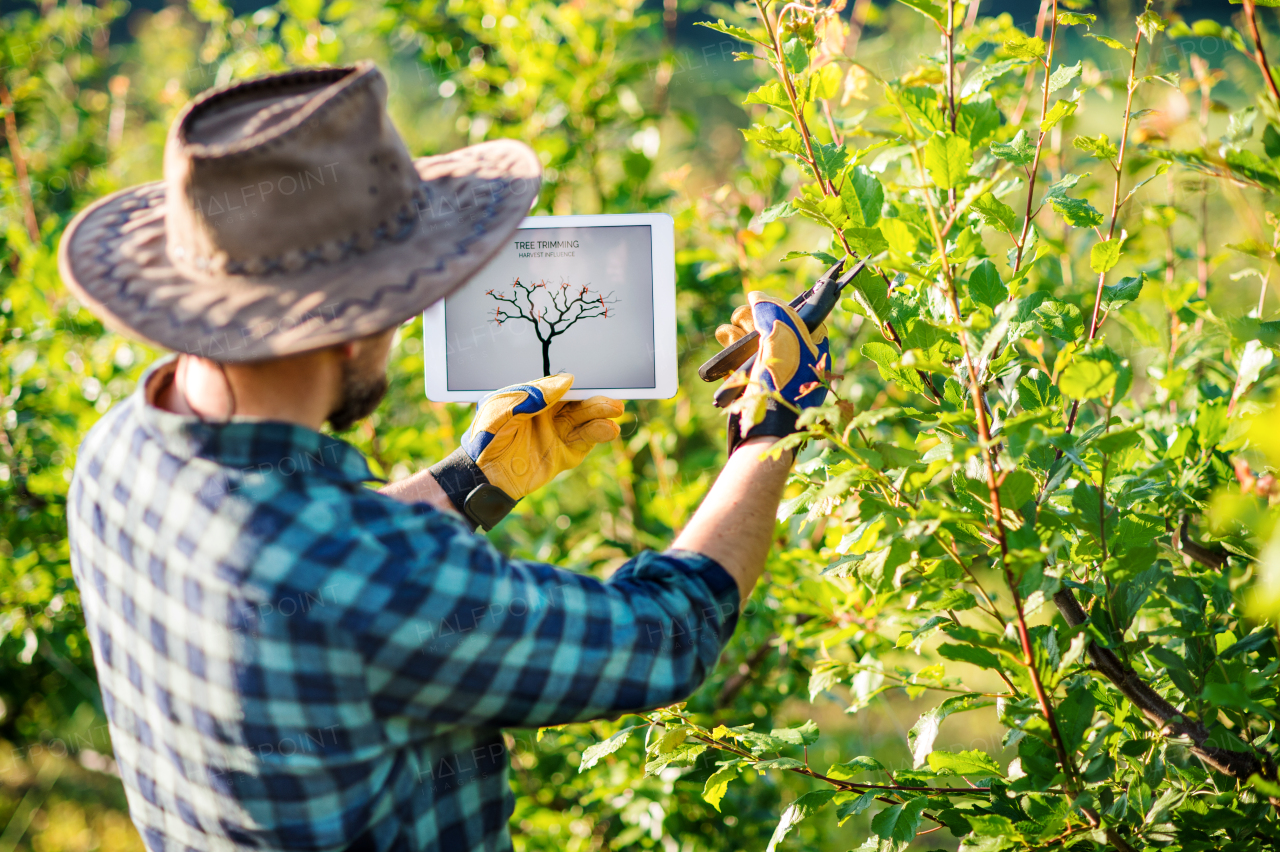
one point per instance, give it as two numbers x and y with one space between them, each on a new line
734 525
422 487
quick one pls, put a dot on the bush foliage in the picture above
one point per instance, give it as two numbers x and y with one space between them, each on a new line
1039 503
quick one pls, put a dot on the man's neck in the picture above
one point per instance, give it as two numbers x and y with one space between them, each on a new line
293 390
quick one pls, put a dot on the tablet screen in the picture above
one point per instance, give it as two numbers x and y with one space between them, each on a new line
568 299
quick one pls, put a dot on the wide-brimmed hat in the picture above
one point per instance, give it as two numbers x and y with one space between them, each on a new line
292 217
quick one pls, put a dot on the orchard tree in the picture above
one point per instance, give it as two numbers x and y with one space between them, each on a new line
551 309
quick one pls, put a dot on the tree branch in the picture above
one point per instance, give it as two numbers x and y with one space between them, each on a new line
1239 764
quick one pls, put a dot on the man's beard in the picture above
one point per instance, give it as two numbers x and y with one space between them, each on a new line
361 394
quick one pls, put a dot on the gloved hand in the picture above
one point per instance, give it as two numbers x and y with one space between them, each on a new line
790 362
521 437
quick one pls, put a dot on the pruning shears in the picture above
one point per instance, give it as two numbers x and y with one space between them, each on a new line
813 306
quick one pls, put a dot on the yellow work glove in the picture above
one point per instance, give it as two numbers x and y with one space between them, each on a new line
521 438
791 364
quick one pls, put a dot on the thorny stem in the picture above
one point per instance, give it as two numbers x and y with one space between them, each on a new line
1035 162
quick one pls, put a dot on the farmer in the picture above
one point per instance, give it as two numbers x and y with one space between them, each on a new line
289 659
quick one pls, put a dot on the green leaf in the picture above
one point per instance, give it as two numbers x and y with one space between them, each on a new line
805 734
796 54
866 241
1271 141
922 107
1085 378
1070 19
1017 488
948 158
781 210
985 286
1150 23
1022 47
980 657
928 9
1078 212
718 784
805 806
824 83
771 94
964 763
728 29
995 213
1064 75
1056 113
1130 595
863 197
1020 151
1122 292
1236 696
605 747
851 804
850 769
1103 256
978 119
899 822
1060 319
985 75
1110 42
921 737
830 159
1099 147
784 140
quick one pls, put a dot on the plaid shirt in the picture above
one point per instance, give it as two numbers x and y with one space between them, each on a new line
289 660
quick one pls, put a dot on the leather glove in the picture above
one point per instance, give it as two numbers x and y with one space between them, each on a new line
521 438
790 362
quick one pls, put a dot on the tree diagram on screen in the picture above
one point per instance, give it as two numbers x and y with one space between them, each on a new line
552 309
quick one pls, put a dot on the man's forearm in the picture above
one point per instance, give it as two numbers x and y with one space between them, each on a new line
420 488
734 525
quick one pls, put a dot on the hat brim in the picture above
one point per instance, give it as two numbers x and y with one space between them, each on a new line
113 256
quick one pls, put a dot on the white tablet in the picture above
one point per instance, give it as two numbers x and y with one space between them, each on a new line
594 296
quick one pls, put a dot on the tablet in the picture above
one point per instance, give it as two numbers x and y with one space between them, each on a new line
594 296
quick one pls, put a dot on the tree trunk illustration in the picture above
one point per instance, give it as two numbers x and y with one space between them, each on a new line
550 309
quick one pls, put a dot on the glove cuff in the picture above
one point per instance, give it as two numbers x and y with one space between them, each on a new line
470 491
779 422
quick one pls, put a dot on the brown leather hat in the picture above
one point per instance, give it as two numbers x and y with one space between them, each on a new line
292 217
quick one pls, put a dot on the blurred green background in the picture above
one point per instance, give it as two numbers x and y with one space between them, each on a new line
631 108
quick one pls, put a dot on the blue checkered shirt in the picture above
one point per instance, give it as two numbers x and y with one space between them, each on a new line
290 660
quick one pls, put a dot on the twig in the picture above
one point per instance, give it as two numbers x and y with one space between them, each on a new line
1259 55
1035 162
780 65
19 161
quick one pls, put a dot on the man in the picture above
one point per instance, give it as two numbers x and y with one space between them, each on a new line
288 659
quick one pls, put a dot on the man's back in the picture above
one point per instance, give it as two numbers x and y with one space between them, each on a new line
290 660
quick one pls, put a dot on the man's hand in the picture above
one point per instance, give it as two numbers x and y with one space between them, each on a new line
521 438
791 364
523 435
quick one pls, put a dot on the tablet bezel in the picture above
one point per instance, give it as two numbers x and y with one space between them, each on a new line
662 244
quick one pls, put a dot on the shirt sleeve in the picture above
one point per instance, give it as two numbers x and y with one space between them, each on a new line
463 634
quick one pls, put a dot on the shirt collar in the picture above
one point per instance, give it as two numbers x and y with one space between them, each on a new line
246 443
